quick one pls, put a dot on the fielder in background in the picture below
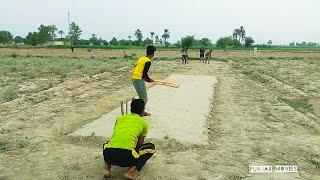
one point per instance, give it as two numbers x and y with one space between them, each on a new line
184 56
202 53
126 147
140 75
255 50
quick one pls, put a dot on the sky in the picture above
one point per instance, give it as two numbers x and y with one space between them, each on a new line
281 21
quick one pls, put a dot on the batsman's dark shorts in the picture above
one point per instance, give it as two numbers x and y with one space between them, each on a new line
129 158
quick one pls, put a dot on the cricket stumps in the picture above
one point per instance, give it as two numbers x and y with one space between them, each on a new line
124 106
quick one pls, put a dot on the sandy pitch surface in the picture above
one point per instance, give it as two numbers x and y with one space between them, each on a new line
178 113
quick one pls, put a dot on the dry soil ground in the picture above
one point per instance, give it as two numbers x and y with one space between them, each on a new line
265 111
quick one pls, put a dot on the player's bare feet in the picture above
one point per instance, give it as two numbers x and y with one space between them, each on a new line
131 173
107 172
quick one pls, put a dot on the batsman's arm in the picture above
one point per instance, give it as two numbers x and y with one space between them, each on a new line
145 75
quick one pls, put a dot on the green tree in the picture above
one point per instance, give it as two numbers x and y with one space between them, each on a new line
114 41
129 40
61 33
269 42
46 33
236 34
147 41
248 41
104 42
74 33
32 38
187 42
225 42
5 37
18 39
205 42
94 40
166 36
239 34
124 42
242 34
177 44
152 35
156 39
312 44
139 36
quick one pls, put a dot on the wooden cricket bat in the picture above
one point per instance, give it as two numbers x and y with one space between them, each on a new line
167 83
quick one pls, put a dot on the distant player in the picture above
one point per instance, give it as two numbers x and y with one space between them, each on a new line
184 56
255 50
208 56
202 53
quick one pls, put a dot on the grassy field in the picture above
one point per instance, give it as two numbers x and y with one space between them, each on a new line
265 111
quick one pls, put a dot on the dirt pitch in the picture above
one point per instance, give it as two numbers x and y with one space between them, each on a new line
264 111
179 113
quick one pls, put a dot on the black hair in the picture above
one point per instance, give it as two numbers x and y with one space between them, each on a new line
151 49
137 106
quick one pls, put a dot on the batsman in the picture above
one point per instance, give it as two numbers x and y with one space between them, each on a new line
140 75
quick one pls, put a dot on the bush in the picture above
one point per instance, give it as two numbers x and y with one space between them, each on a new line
227 42
187 42
10 93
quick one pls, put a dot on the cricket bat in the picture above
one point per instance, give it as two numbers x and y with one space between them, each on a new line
167 83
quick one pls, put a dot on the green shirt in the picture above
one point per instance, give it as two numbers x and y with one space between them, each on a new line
126 132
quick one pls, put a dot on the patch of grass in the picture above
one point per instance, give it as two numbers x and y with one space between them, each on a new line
69 171
301 105
14 55
168 58
235 177
267 114
36 99
247 71
258 151
10 93
316 163
221 59
4 146
17 145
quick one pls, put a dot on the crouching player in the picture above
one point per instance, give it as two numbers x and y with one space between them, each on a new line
126 147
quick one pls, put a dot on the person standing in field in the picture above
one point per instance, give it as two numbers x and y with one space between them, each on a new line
140 75
202 53
184 56
255 50
126 147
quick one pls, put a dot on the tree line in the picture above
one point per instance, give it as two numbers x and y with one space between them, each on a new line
50 33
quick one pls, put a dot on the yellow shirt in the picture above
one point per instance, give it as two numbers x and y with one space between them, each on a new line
126 132
138 70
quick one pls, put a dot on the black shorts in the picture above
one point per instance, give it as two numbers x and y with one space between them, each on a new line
129 158
118 157
201 55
